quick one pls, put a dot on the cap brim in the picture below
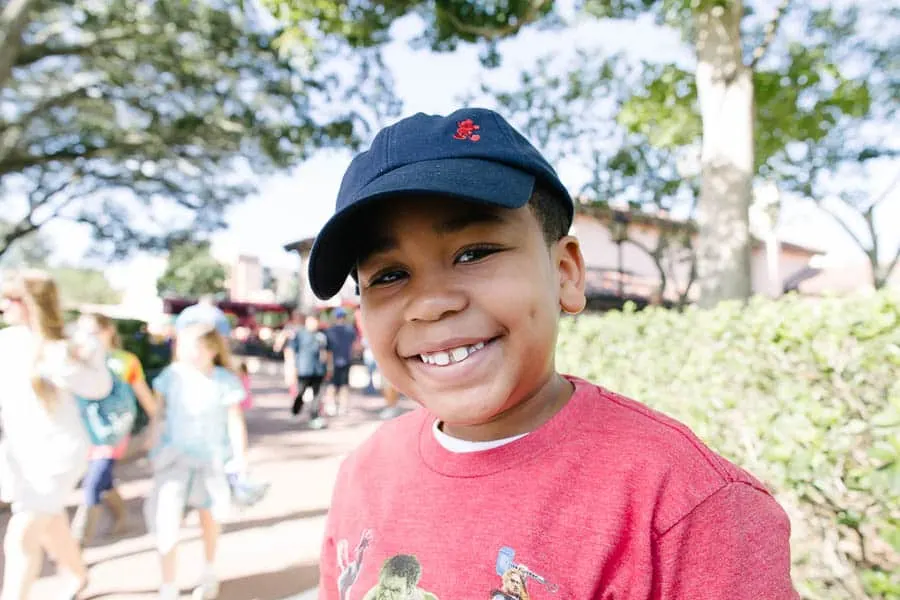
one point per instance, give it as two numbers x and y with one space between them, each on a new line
334 251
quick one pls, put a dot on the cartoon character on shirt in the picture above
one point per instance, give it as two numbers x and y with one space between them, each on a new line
399 580
513 587
514 578
350 570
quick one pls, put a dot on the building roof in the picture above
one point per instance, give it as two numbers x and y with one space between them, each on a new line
301 246
662 219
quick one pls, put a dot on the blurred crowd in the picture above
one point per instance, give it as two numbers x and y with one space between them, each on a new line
75 396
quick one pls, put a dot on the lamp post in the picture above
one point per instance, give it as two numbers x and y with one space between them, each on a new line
764 212
619 232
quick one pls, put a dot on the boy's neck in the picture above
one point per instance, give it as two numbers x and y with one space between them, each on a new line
524 417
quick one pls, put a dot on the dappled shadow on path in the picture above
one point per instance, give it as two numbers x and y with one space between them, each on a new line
271 586
274 585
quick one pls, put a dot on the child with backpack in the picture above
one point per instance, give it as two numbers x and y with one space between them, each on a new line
99 482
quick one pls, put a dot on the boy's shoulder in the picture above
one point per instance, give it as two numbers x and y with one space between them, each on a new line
661 439
657 457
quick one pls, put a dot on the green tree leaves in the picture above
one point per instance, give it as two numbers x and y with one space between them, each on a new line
84 286
144 121
191 272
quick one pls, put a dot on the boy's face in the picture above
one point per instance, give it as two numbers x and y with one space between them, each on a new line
461 303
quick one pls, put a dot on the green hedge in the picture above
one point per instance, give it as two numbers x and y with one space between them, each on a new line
804 393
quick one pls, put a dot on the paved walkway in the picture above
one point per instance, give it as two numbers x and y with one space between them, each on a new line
269 552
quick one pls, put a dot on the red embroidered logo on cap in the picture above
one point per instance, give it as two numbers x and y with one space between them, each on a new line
465 130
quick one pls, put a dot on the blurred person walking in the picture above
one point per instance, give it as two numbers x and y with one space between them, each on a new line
203 437
204 311
342 339
295 323
45 446
99 482
308 362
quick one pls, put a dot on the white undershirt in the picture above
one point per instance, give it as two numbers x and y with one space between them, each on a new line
459 446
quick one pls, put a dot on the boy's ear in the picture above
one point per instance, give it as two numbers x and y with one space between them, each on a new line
570 265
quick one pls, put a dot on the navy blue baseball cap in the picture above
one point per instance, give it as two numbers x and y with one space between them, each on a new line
471 154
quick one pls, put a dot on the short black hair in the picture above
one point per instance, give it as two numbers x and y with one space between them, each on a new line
551 214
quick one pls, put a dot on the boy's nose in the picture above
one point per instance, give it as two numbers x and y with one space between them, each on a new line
433 300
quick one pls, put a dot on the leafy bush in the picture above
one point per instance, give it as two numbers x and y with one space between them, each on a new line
803 393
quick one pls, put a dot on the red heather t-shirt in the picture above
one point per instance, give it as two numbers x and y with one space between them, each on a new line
608 500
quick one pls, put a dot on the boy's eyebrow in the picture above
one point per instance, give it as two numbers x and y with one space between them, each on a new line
460 222
373 246
455 224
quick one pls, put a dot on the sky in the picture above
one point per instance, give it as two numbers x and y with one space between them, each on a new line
295 205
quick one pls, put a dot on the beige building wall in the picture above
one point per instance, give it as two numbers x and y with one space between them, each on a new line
246 279
601 252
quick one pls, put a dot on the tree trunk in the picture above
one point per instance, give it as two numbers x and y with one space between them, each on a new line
12 22
725 91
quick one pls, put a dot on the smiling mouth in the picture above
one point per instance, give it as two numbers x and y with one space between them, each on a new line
451 356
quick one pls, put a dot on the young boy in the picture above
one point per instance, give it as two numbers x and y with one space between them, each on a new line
514 482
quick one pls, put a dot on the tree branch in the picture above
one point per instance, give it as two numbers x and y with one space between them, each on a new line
849 230
880 279
10 134
32 54
13 19
34 203
28 225
58 210
16 163
48 103
887 190
656 255
173 191
870 250
891 265
19 231
769 34
492 33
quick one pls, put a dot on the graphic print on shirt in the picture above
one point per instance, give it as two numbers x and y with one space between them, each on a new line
514 578
349 571
399 580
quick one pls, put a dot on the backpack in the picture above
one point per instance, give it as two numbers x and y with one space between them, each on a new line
109 419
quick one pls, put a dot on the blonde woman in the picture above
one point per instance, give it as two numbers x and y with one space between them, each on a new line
45 444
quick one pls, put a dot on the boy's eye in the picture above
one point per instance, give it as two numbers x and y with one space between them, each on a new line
470 255
386 278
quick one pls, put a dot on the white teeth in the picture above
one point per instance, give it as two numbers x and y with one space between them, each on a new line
458 354
453 355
